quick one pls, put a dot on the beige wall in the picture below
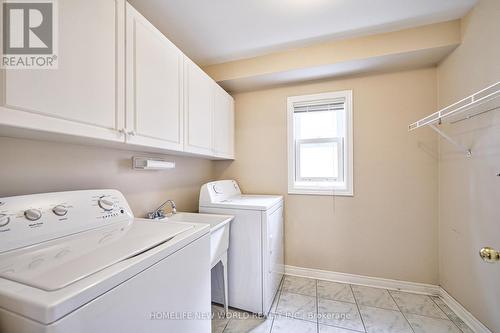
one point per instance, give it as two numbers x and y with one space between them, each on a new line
389 228
34 167
470 188
428 37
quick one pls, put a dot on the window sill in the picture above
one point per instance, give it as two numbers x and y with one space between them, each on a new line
341 193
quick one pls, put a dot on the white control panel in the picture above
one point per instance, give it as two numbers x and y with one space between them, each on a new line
31 219
218 191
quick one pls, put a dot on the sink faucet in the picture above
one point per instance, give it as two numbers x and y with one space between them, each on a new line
159 213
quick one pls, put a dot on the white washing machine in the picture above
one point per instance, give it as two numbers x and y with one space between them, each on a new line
79 262
255 263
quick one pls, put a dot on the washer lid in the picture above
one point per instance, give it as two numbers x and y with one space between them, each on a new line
250 202
56 264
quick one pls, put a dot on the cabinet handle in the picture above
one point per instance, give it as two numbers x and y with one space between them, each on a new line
131 133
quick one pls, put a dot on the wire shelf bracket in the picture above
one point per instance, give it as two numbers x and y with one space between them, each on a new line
485 100
457 144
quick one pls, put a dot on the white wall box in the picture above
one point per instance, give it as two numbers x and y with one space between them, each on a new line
123 84
146 163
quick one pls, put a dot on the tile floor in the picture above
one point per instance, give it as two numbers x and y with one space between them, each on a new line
314 306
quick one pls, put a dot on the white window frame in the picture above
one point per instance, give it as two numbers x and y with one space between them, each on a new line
321 186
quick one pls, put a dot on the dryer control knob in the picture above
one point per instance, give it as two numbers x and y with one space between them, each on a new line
33 214
4 220
60 210
106 203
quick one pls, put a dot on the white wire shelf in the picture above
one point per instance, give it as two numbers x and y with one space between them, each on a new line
481 102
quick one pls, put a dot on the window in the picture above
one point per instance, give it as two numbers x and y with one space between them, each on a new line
320 144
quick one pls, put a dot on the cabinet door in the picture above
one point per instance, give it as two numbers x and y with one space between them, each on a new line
84 96
198 110
154 86
223 124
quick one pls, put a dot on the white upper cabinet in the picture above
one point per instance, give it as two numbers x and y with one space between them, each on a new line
84 96
118 80
154 116
223 124
198 115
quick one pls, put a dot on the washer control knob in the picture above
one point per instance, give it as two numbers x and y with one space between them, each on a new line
217 189
4 220
60 210
33 214
106 203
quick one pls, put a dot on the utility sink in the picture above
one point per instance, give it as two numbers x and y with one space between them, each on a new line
219 231
219 240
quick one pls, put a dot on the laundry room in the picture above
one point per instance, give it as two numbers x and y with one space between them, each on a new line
267 166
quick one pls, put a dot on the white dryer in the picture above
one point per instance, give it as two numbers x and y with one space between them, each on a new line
79 262
256 260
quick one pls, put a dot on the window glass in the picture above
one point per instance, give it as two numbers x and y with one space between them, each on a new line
319 160
320 124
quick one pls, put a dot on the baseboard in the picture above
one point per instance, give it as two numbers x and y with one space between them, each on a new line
462 312
419 288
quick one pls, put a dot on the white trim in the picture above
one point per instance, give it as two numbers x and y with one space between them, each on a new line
346 97
414 287
305 191
420 288
462 313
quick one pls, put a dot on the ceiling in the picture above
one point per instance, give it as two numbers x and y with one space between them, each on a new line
215 31
388 63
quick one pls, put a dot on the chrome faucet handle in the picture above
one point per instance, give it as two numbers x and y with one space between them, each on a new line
159 213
